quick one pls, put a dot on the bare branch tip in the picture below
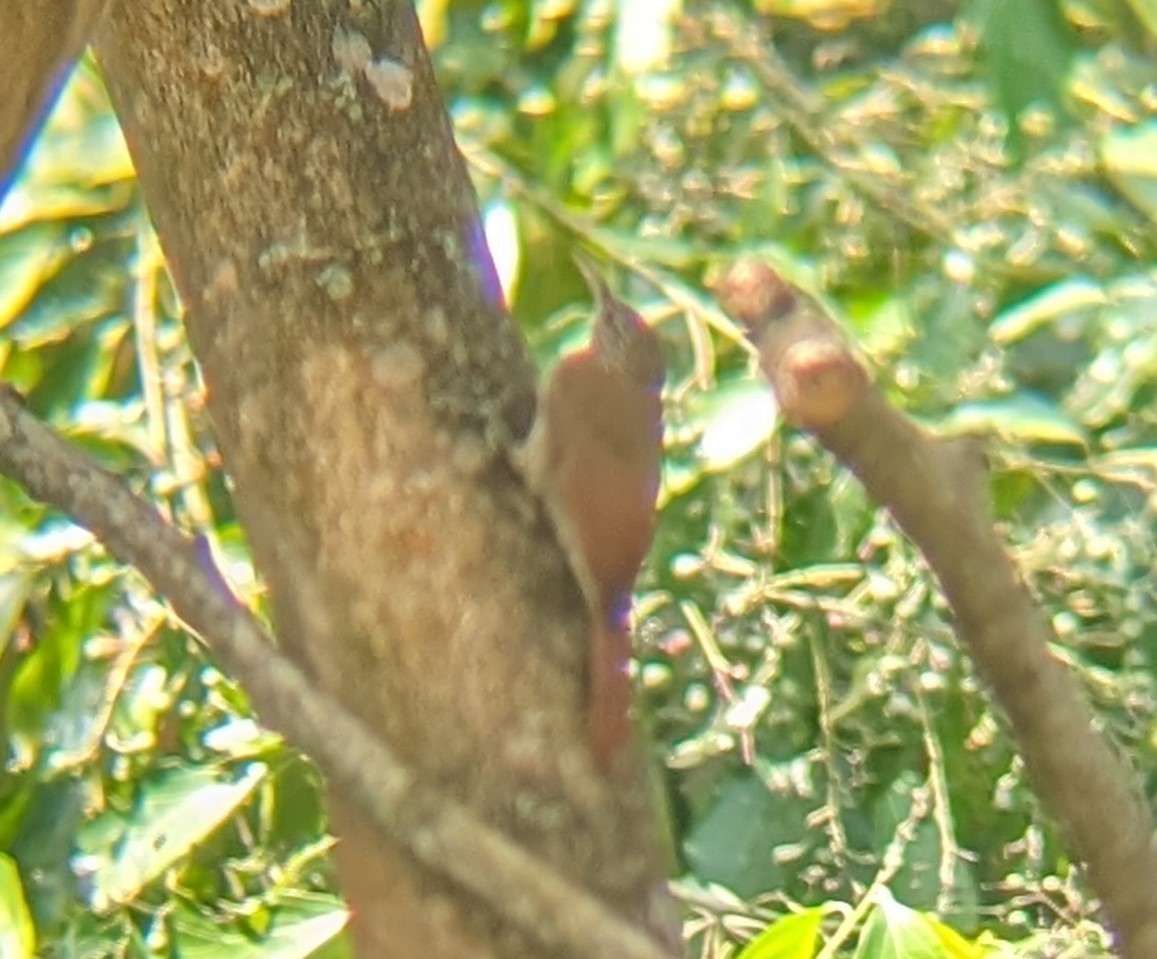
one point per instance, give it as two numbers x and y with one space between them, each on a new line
755 294
817 381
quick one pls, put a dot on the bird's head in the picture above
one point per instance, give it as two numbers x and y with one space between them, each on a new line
622 340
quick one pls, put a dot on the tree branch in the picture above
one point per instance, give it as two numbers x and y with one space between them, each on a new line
435 830
934 489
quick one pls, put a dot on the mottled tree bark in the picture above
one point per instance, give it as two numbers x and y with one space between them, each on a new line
366 389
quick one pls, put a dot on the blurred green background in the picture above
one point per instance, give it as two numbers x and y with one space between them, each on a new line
973 189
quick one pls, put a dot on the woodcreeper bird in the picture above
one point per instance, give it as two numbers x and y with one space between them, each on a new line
593 458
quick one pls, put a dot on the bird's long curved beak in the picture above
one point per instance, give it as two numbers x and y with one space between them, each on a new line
591 272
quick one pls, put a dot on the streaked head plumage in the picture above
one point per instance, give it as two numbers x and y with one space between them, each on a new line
621 337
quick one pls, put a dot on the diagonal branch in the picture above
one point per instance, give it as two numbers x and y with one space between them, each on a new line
439 833
934 489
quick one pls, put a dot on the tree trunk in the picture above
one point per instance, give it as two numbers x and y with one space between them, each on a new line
366 389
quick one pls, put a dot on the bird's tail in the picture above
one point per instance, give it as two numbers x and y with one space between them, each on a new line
609 728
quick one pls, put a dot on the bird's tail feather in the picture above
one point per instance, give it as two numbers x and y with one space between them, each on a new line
609 728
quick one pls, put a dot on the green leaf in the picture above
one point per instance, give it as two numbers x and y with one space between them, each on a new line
17 934
828 15
301 924
15 587
893 931
28 259
93 153
44 845
917 879
737 841
1129 156
736 419
1023 417
953 944
175 812
792 937
41 679
1146 12
1052 303
1029 51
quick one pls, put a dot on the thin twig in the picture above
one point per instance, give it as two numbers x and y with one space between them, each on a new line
941 799
700 309
823 685
803 112
890 864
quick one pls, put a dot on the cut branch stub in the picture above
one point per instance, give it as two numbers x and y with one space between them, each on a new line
815 374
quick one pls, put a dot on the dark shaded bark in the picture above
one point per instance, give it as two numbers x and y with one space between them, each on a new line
366 388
